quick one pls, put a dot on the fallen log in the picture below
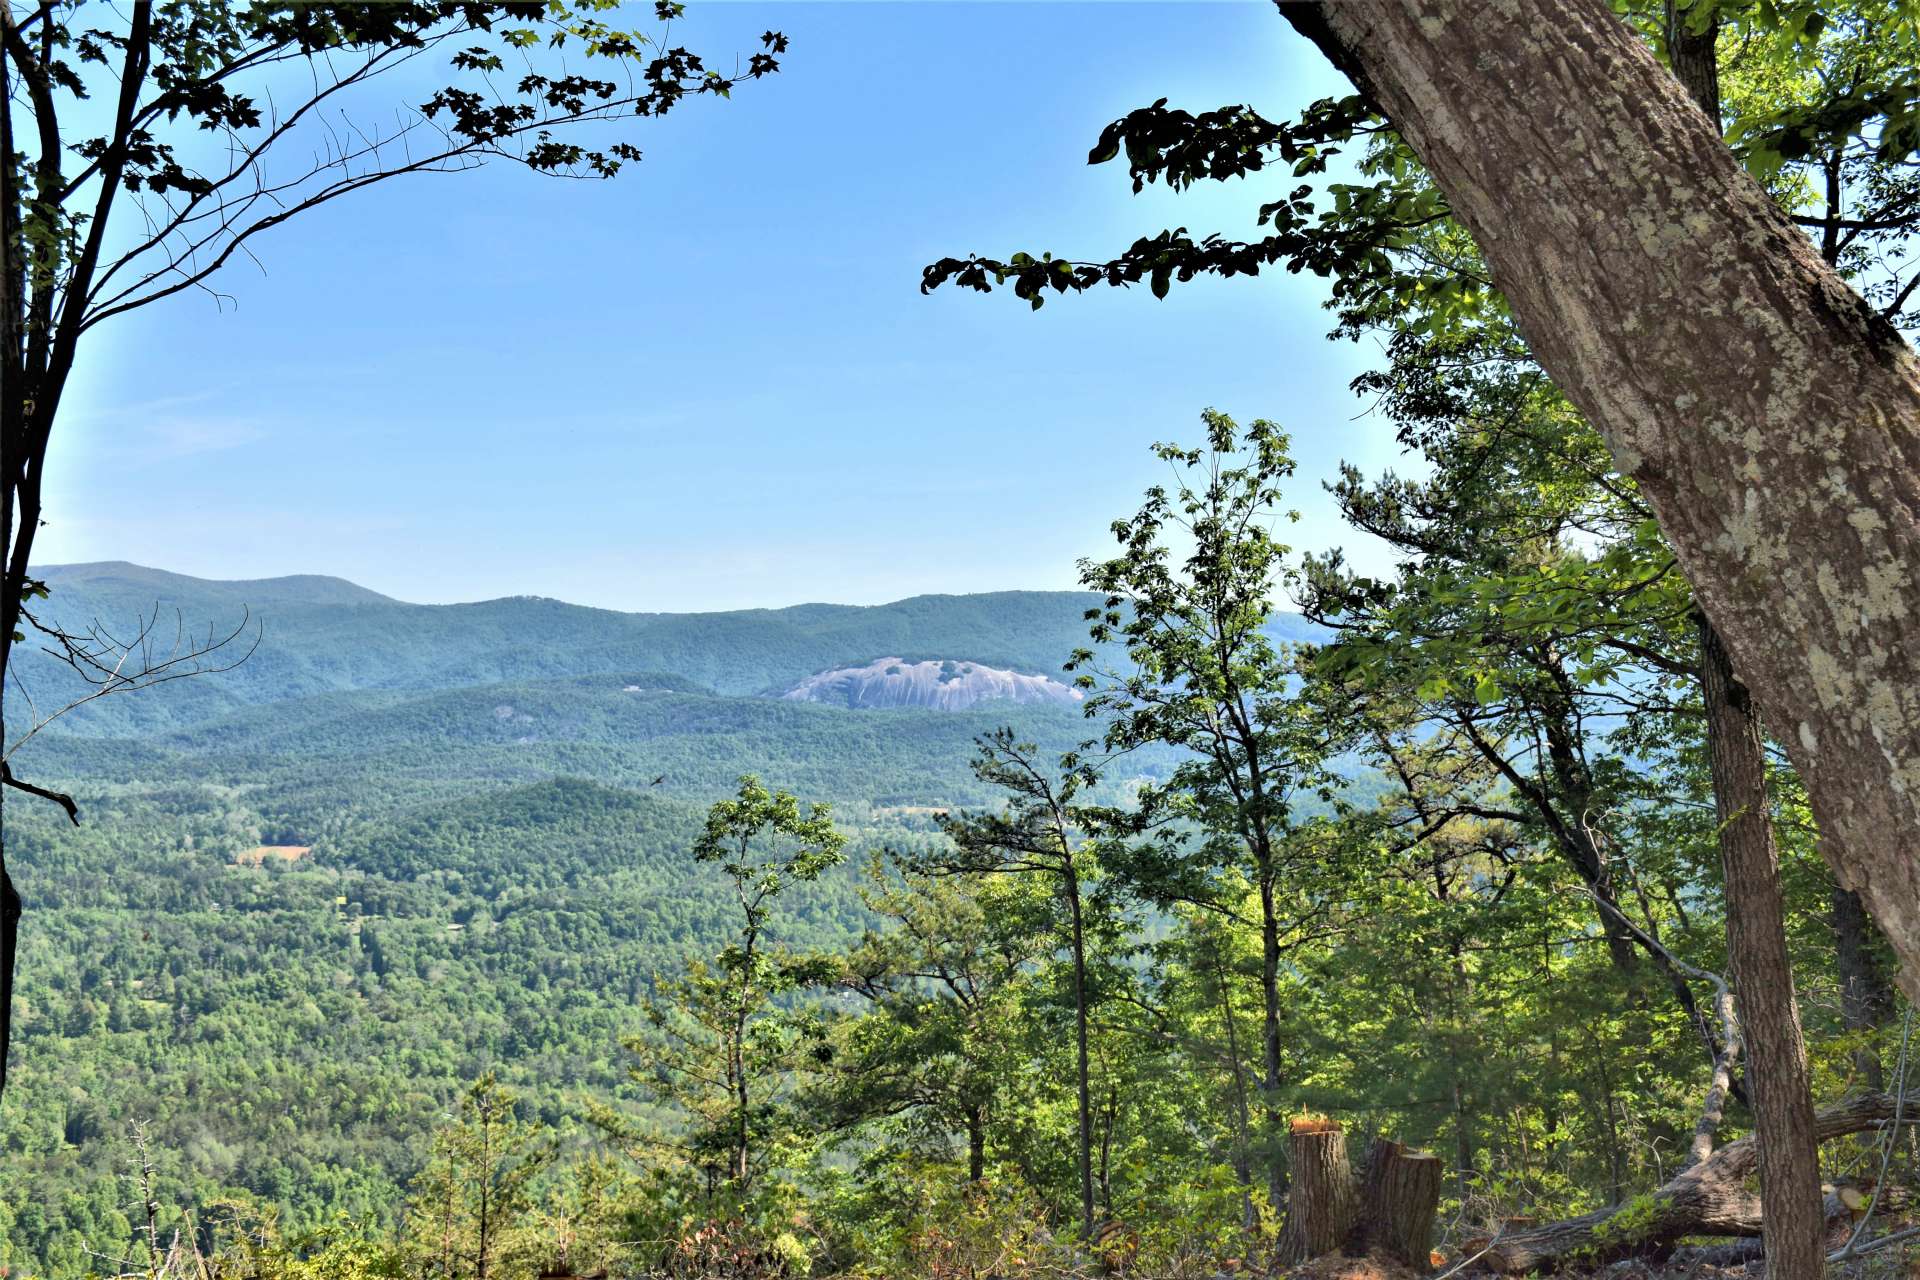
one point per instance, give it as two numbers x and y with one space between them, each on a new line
1708 1198
1844 1207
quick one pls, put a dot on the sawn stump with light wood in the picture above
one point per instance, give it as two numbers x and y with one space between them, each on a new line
1323 1200
1400 1195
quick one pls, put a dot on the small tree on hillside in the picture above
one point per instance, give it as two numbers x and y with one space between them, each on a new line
476 1191
1042 831
937 1052
725 1040
1190 597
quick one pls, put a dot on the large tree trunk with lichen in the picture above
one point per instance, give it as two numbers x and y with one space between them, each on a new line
1711 1198
1785 470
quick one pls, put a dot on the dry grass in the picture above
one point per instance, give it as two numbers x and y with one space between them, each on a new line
1372 1266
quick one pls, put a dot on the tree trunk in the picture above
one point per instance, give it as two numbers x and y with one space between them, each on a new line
1462 986
1242 1117
484 1220
1864 998
1320 1210
742 1140
1785 469
1080 1044
1574 787
976 1146
9 943
1562 809
1397 1204
1707 1199
1270 1028
1713 1109
1781 1096
1782 1099
1109 1116
1844 1206
12 435
1462 1141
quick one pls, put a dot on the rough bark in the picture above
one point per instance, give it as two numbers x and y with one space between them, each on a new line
1398 1198
1083 1097
1781 1096
1778 1088
1321 1201
1694 55
1785 470
1707 1199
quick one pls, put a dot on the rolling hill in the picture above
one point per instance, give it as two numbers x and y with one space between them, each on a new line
318 635
494 804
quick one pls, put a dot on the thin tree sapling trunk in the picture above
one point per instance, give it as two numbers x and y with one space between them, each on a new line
1864 996
1082 1069
1778 1087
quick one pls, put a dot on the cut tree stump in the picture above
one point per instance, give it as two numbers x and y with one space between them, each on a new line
1322 1202
1399 1196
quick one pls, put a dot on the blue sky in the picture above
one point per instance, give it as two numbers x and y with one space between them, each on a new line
713 383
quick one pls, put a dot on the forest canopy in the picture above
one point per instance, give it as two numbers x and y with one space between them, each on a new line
1534 904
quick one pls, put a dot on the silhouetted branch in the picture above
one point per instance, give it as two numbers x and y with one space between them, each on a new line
58 797
112 664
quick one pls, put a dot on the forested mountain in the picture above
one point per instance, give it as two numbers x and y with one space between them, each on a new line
1541 904
401 845
320 635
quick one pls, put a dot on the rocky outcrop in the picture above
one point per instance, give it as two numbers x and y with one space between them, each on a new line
949 685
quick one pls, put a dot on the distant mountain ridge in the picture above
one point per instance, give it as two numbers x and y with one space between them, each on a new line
321 635
121 577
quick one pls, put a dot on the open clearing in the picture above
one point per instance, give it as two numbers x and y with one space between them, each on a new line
261 852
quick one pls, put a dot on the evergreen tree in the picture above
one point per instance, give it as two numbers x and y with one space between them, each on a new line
472 1200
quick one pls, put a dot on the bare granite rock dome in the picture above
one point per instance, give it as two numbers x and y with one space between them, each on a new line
948 685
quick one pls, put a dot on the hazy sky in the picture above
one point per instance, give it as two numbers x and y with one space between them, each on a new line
713 382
